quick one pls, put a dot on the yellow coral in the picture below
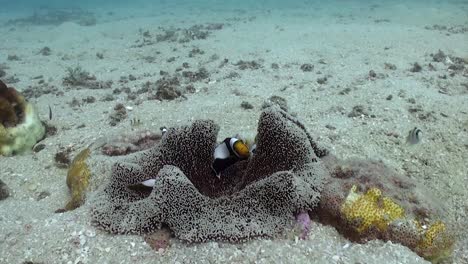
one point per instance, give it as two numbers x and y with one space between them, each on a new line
436 242
78 179
370 209
431 233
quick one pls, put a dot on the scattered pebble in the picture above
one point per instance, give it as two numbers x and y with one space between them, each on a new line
322 80
51 130
232 75
416 67
307 67
131 77
107 98
62 158
195 51
13 57
358 111
89 99
42 195
4 192
199 75
389 66
251 65
119 114
439 56
45 51
246 105
345 91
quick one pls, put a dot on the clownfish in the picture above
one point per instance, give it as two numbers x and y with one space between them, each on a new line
230 151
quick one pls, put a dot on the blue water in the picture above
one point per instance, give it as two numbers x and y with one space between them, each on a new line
6 5
419 7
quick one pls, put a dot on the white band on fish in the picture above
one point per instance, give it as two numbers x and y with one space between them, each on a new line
149 183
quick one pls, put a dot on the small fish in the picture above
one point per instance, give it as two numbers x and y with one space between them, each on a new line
163 130
135 122
414 136
50 113
147 185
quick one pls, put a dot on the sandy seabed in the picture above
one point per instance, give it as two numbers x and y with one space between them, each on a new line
343 45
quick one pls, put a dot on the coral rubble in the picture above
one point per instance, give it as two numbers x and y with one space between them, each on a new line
4 192
255 197
79 78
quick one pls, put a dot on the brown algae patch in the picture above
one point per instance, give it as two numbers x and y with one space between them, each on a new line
77 180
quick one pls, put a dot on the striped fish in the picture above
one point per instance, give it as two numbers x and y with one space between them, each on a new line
414 136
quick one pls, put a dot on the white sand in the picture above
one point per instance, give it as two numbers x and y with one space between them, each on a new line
346 38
